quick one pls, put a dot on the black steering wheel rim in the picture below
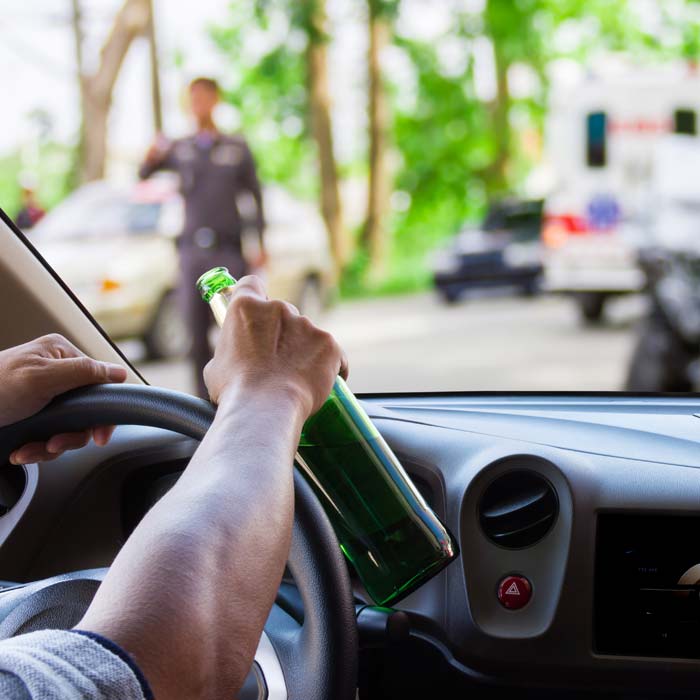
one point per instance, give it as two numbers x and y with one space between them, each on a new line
319 656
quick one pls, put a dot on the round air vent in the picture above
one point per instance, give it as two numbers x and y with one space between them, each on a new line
518 509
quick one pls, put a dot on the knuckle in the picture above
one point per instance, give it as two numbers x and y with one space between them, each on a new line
279 308
245 304
53 340
327 342
306 323
253 282
88 366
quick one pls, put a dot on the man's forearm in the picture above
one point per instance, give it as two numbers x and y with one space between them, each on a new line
147 169
182 594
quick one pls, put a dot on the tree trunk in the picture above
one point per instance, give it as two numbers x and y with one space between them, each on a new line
130 22
320 112
78 38
497 172
379 185
155 71
94 151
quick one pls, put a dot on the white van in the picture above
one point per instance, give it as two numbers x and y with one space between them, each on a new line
601 137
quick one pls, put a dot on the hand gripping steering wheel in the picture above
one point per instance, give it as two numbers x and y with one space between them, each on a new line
310 659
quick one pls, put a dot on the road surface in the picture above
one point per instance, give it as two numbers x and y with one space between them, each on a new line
416 343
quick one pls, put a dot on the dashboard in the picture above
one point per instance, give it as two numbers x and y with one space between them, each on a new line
577 517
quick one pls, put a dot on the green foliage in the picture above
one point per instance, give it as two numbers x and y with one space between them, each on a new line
458 151
268 89
384 8
53 163
455 150
407 272
53 181
9 183
444 143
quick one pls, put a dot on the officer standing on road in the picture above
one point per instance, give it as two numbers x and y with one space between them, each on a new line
214 169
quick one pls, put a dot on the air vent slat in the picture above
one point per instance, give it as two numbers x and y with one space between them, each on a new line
522 530
516 505
518 509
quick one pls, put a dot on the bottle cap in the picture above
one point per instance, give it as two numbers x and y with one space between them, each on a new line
214 281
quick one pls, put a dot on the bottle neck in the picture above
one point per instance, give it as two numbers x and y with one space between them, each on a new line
219 304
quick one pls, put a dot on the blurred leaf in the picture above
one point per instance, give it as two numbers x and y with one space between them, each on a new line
267 88
454 151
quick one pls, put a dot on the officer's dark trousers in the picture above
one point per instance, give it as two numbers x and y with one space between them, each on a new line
193 262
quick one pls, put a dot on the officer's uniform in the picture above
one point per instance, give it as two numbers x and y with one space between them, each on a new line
213 170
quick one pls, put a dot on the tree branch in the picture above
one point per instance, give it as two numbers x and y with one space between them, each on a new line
131 21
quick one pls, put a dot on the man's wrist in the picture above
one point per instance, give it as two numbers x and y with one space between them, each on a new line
272 400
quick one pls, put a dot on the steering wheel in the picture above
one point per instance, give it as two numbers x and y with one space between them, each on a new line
310 659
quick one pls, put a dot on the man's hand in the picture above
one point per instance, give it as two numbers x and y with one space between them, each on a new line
157 150
267 345
34 373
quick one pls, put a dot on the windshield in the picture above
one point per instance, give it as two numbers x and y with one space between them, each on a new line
96 209
96 212
473 195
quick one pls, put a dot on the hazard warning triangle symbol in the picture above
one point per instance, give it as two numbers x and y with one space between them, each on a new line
513 589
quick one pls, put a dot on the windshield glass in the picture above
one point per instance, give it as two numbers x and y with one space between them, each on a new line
95 209
473 195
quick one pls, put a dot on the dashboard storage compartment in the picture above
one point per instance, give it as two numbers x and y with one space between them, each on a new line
647 586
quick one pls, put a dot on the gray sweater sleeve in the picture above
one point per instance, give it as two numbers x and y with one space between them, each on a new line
62 665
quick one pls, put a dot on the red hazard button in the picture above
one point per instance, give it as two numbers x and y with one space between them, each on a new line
514 592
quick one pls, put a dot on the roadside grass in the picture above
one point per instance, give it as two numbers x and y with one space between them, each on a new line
404 274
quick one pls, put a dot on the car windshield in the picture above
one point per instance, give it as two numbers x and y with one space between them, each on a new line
96 214
472 195
143 216
87 213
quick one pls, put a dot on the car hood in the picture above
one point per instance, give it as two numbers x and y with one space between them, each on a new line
84 261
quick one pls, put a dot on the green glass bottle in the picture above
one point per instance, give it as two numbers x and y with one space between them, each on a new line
385 528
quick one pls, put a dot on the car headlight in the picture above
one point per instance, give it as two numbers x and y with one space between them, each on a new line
110 285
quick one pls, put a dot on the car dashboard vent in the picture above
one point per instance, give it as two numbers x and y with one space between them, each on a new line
518 509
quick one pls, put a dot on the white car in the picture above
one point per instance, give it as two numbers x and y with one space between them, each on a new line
115 248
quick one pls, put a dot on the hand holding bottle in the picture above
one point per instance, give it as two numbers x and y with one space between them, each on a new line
384 526
158 150
265 345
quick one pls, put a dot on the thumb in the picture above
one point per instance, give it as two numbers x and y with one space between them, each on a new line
73 372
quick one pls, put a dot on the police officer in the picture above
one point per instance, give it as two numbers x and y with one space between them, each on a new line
214 169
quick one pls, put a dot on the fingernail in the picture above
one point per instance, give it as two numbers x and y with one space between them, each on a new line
13 459
52 447
116 373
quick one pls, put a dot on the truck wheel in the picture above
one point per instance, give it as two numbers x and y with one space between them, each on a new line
530 288
449 295
591 306
660 361
167 337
